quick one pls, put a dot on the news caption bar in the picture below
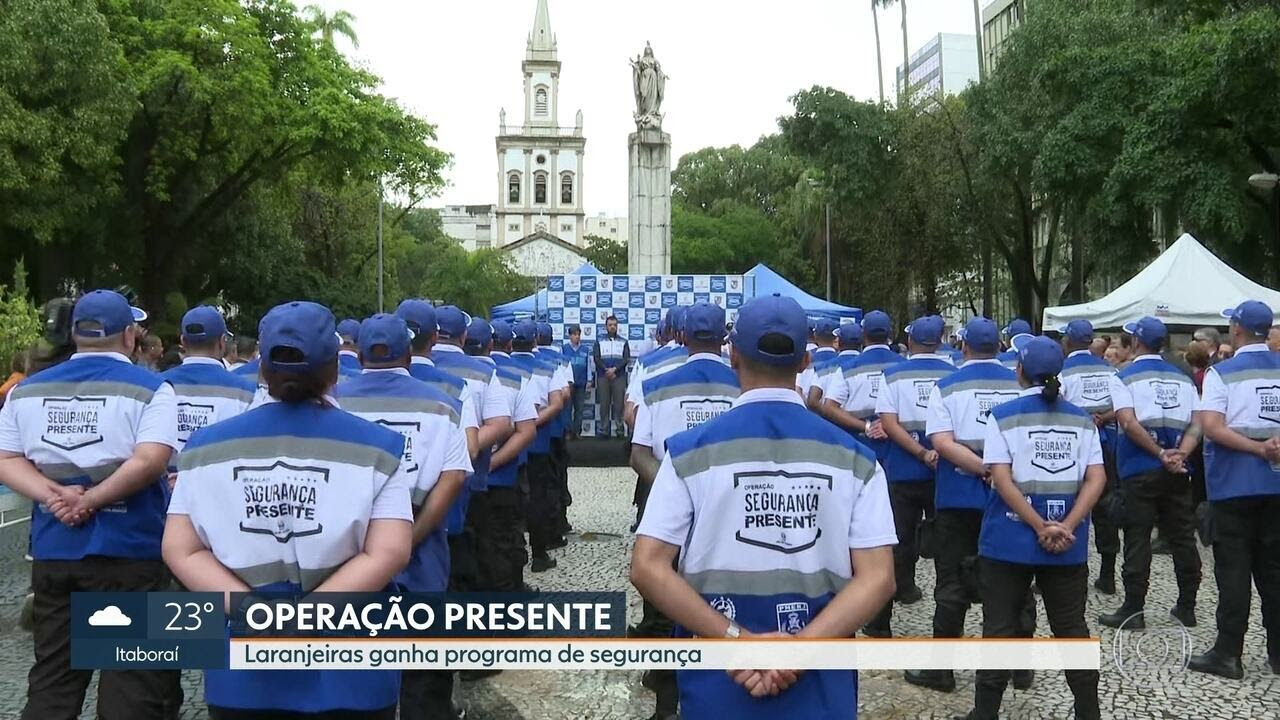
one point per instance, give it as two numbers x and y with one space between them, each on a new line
461 631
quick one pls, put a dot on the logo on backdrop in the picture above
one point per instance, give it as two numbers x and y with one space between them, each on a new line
1053 451
780 509
653 284
588 283
72 423
556 283
280 499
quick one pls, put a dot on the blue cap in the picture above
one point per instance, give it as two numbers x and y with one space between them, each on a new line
419 315
203 323
479 332
304 326
1149 331
1017 327
981 334
525 331
825 327
1039 356
927 330
771 315
1252 315
668 321
877 322
705 322
384 331
1078 331
501 332
349 329
677 317
544 331
451 321
108 309
850 332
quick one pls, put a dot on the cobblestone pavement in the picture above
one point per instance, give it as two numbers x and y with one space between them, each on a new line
597 558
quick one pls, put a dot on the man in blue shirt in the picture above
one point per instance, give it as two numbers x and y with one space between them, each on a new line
612 355
579 357
910 460
1086 383
739 575
1240 411
1154 401
349 353
1010 356
88 441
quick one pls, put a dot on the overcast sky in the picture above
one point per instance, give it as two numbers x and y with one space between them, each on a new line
733 64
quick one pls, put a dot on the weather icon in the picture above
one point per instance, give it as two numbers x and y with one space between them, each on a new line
110 616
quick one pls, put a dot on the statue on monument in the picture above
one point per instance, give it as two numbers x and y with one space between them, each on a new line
650 85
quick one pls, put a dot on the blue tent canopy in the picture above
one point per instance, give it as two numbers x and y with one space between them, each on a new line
535 304
768 282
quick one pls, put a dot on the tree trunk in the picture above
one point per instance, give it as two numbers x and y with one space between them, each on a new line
906 59
977 29
875 20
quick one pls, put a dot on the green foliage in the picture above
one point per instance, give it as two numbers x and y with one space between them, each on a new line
223 126
607 255
19 319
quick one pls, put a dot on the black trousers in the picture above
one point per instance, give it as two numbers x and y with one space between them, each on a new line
424 695
955 562
502 559
912 503
543 513
54 690
1106 529
1247 546
579 398
653 624
560 454
1158 499
1005 593
217 713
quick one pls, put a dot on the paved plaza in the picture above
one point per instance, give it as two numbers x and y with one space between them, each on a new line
597 559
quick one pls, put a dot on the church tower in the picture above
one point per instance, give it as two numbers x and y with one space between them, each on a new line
540 162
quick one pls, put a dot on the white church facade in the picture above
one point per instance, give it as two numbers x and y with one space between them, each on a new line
539 216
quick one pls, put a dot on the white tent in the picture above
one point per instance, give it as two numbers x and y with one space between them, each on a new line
1186 285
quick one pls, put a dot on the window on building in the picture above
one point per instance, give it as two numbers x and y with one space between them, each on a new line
566 227
566 188
540 189
513 188
540 101
482 244
513 227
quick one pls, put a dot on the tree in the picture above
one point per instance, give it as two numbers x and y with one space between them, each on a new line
607 255
339 23
875 21
19 319
250 103
64 107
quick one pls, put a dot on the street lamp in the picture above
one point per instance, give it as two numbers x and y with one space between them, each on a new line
1271 181
817 185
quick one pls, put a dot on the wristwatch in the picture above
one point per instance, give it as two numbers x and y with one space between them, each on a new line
733 631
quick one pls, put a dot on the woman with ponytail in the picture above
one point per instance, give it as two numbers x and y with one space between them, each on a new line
1046 474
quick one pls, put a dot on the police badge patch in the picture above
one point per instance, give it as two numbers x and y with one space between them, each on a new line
792 617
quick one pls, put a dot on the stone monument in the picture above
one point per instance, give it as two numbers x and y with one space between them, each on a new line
649 149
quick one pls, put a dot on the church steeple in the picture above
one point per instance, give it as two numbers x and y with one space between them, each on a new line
542 43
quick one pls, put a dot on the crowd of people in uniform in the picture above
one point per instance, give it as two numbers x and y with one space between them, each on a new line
790 476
